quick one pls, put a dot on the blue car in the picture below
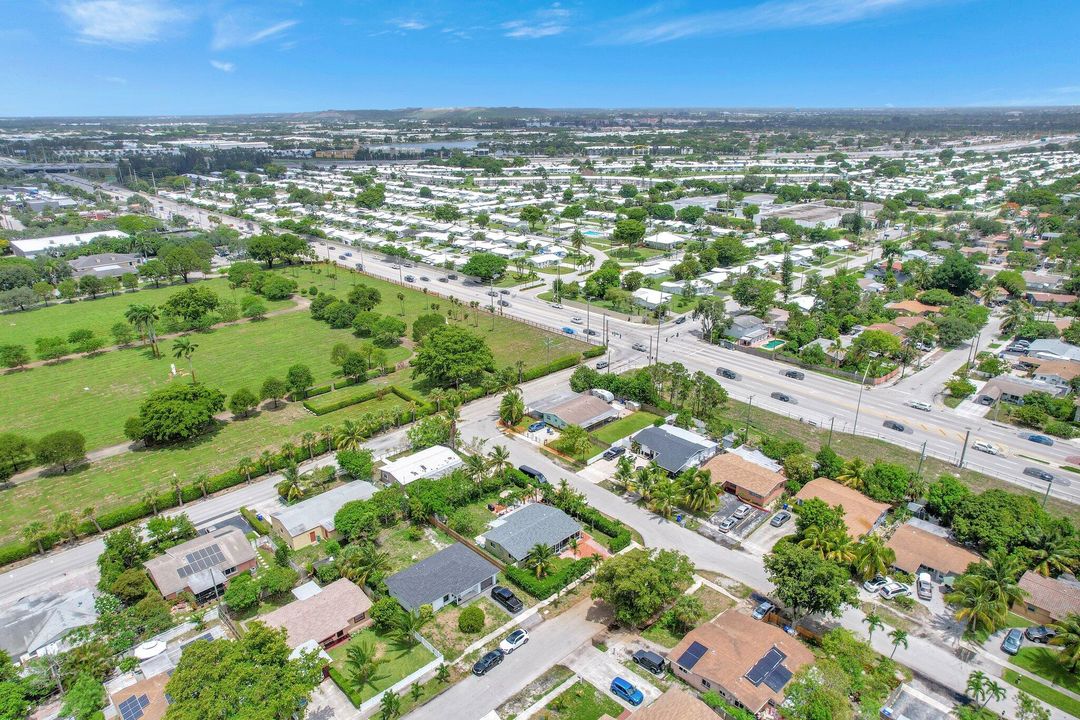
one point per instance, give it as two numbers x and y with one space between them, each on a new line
569 330
623 689
536 426
1041 439
1011 643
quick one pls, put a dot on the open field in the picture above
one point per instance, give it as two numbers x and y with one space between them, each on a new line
624 426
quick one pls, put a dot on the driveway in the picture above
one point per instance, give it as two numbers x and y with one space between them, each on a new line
765 536
600 668
328 702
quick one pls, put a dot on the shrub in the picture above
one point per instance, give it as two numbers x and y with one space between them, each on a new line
327 573
383 613
471 620
260 526
553 583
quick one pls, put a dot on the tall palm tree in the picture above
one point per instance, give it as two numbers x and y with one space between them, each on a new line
143 317
697 488
1017 313
266 459
624 474
978 603
35 533
1002 572
288 451
1052 553
349 436
90 513
831 543
976 684
873 557
519 365
664 498
361 664
66 525
541 559
499 459
453 415
245 466
401 300
327 432
177 487
294 490
150 501
359 562
184 348
873 622
993 689
476 468
854 471
308 439
898 637
511 408
1068 639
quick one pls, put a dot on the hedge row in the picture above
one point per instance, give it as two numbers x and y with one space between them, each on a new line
546 587
261 526
554 366
424 409
346 686
594 352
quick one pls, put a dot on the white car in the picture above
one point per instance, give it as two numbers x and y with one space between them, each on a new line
514 640
741 512
557 306
576 320
983 446
920 405
893 589
726 524
875 584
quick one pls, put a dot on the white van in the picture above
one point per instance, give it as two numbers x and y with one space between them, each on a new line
920 405
923 586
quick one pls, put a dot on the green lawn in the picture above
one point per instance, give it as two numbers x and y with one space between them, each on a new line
624 426
398 661
1013 620
444 634
404 551
713 603
1047 694
581 701
1044 662
319 402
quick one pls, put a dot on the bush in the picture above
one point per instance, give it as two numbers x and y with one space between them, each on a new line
553 583
327 573
551 367
463 523
471 620
260 526
383 613
713 700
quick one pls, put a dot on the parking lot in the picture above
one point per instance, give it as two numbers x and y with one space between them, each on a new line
743 528
763 539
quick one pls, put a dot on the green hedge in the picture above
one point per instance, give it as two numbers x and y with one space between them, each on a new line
346 686
619 533
556 365
261 526
548 586
343 403
594 352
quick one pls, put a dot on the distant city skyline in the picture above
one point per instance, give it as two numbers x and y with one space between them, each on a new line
205 57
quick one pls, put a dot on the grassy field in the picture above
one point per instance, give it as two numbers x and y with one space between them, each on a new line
625 426
403 551
712 601
1044 662
581 701
397 661
1047 694
444 634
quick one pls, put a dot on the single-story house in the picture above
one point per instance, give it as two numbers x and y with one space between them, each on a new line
203 565
105 265
1056 372
1048 600
433 462
328 617
564 409
1012 390
544 260
1053 349
913 307
673 448
747 330
748 481
861 514
921 551
650 299
887 327
746 661
453 574
143 700
675 704
312 520
512 536
37 624
1042 299
663 240
1042 282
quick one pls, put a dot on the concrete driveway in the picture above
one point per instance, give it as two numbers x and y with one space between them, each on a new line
600 668
328 702
765 536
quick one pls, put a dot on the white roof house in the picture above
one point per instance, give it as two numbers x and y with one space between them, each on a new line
664 240
544 260
30 247
649 298
432 462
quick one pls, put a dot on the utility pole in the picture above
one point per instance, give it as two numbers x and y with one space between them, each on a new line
858 405
922 456
963 450
832 423
749 406
659 315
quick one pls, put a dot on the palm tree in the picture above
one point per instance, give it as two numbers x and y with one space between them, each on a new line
624 474
831 543
1052 553
350 435
1068 639
267 461
697 488
978 603
541 559
475 468
520 367
574 440
361 664
389 706
66 525
511 408
360 562
1002 572
499 459
327 431
203 481
407 625
548 344
664 498
898 637
184 348
453 415
90 513
176 485
288 451
401 300
442 673
308 439
854 471
993 690
35 533
143 317
1017 313
976 684
873 622
294 490
245 467
873 557
150 500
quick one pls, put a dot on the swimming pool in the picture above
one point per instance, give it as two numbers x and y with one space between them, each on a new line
773 344
592 233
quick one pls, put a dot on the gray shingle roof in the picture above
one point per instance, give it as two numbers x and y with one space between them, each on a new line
670 451
448 572
319 511
532 524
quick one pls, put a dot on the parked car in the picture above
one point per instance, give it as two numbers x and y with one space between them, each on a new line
651 661
920 405
623 689
782 397
506 597
537 426
875 584
893 425
1013 639
514 640
924 588
577 320
680 320
741 512
725 373
1040 634
1041 439
640 347
1018 349
726 524
893 589
1039 473
490 660
762 610
780 518
983 446
613 452
533 473
795 374
601 365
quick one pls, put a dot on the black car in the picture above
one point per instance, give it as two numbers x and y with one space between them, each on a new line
506 598
1040 634
795 374
781 397
893 425
504 303
487 662
651 661
725 373
680 320
504 291
590 331
613 452
1039 473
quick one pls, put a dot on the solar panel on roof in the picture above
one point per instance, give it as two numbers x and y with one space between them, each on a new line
778 678
692 654
201 559
765 665
132 708
204 636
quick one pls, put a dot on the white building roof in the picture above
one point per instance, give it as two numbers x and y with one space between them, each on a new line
434 461
319 511
33 246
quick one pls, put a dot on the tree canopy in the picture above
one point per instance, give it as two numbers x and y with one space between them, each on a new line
452 355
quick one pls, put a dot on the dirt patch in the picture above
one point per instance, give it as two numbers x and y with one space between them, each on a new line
535 690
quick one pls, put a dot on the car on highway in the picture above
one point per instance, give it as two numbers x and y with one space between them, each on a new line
1040 634
640 347
452 276
780 518
875 584
782 397
425 278
504 303
1013 639
795 374
623 689
983 446
741 512
893 589
893 425
590 331
396 267
653 662
557 306
410 278
493 293
514 640
348 254
486 663
1039 473
504 291
680 320
443 279
506 597
1041 439
340 257
920 405
727 524
613 452
569 330
577 320
601 365
725 373
762 610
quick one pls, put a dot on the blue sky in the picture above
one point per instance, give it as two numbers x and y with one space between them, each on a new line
132 57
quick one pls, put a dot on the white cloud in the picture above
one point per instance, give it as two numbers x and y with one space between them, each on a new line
240 30
649 27
114 79
543 23
121 22
409 24
223 66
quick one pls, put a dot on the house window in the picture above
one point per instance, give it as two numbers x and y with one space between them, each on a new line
356 619
229 571
446 598
706 683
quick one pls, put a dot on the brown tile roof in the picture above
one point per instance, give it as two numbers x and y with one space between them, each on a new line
734 643
1064 369
320 616
1056 597
860 512
675 704
907 322
154 690
914 307
915 547
894 330
1059 298
730 468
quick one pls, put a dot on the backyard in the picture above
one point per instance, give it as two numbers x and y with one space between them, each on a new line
581 701
625 426
444 633
395 661
713 603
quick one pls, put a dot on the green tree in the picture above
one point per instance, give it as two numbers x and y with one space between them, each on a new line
574 441
540 560
485 266
628 232
637 584
389 706
144 317
898 637
362 664
808 583
873 622
872 557
84 699
511 408
298 379
13 356
273 389
977 603
242 402
63 448
1068 639
452 355
35 534
184 348
175 412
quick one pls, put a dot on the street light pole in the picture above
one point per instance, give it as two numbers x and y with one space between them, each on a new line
858 405
963 450
746 430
